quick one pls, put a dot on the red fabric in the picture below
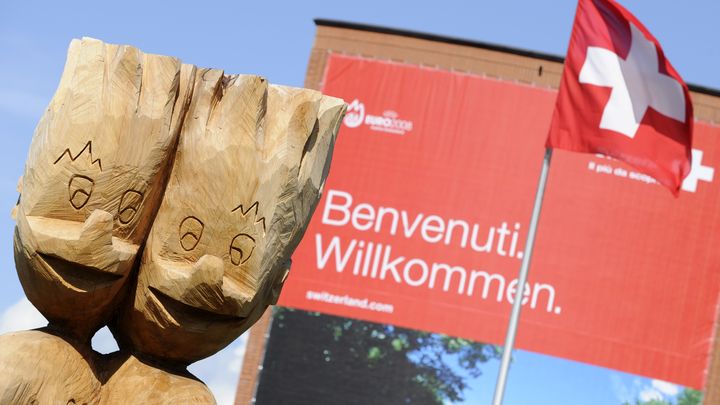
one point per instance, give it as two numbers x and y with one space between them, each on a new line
625 275
661 146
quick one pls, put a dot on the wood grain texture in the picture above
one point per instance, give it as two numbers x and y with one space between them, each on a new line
132 381
94 178
38 367
251 162
210 178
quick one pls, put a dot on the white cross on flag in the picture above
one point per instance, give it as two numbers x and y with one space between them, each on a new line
620 96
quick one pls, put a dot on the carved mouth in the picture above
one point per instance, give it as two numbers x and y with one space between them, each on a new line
79 277
188 316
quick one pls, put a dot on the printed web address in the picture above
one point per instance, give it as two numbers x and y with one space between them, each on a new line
348 301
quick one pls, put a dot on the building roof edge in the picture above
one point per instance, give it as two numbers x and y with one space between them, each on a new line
470 43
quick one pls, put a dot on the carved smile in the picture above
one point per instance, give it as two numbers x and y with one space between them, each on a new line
188 316
80 278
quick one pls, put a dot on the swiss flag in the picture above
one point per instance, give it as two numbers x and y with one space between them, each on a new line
620 96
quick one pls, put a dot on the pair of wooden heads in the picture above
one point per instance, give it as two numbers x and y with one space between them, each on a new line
166 199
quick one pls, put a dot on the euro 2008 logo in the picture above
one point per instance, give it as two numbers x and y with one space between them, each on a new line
355 114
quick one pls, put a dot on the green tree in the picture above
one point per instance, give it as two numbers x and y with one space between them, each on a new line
686 397
366 363
690 397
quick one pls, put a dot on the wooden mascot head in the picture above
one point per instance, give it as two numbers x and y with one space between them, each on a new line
94 179
251 162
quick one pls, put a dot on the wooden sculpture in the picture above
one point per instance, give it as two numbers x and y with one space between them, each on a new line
40 367
94 178
162 200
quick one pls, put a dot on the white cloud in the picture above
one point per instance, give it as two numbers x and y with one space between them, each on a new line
24 316
221 371
666 388
224 391
21 316
621 391
236 364
642 389
649 394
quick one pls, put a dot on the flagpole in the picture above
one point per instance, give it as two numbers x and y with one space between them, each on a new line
522 280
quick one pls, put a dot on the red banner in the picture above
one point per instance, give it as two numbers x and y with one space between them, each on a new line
424 217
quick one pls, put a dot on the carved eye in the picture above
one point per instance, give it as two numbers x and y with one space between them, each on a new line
191 230
129 206
80 189
241 248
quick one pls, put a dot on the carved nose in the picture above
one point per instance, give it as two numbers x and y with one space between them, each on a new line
219 292
205 287
97 228
88 243
208 270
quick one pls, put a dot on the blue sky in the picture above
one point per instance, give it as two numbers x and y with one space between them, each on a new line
274 38
543 380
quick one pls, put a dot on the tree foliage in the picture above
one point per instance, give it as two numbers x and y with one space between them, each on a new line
690 397
686 397
371 362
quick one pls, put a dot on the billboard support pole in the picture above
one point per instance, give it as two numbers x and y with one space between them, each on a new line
522 281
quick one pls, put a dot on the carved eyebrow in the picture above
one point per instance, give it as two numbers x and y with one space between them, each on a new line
254 208
244 212
88 147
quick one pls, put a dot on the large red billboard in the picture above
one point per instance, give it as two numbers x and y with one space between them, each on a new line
424 217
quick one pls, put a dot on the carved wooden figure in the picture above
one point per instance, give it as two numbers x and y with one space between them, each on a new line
247 176
132 381
212 177
94 178
39 367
